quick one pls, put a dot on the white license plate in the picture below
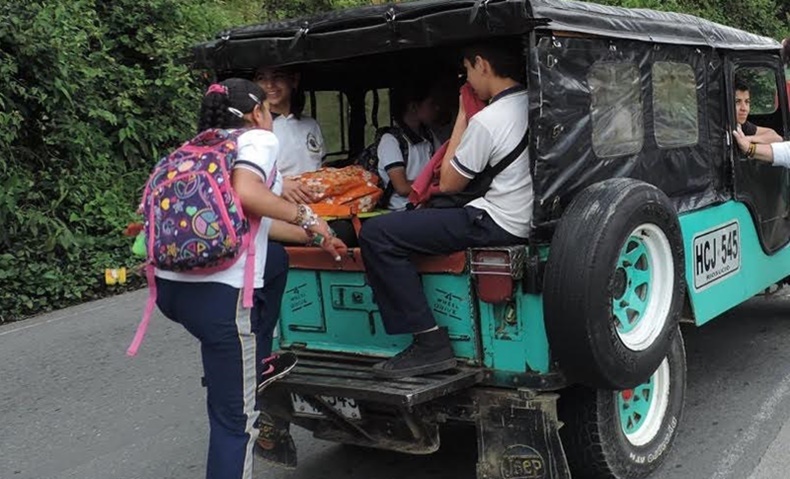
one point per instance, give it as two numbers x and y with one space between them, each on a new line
717 255
347 407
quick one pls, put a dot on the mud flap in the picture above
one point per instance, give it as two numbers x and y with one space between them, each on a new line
517 436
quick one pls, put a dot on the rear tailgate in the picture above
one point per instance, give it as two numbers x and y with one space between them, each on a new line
330 308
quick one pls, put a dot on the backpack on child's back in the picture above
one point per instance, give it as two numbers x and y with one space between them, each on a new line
369 158
193 220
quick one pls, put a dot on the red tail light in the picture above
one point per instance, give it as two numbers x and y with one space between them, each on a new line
496 271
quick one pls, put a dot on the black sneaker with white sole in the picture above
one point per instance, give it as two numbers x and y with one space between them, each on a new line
430 352
275 367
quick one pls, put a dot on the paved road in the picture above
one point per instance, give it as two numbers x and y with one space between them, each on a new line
72 406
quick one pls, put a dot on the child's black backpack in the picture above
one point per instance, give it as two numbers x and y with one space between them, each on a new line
369 159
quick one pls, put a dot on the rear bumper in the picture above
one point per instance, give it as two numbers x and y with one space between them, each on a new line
514 426
353 378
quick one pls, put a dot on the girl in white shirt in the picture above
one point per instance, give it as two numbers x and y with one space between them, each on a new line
210 307
414 109
301 143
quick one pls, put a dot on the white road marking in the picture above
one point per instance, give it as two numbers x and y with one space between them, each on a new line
766 412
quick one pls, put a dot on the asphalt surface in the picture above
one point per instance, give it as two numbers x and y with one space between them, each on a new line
73 406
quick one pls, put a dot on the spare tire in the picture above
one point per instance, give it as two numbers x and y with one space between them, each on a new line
614 284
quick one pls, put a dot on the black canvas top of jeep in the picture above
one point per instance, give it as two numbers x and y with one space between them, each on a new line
617 92
428 23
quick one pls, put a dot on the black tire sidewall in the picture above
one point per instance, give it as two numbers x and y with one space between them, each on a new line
579 283
627 460
626 367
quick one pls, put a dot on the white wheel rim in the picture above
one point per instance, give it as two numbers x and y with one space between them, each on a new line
653 314
658 403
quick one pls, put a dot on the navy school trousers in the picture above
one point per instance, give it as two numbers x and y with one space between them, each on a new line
388 240
233 341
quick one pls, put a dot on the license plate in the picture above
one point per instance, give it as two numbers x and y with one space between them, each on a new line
347 407
717 255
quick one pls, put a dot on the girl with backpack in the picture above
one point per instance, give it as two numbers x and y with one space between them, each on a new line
210 306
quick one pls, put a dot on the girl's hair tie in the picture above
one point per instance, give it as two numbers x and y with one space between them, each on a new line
217 88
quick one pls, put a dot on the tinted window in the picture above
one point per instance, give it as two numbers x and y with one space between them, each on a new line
675 105
616 109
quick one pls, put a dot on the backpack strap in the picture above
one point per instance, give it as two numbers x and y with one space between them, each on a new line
493 171
249 265
403 143
149 309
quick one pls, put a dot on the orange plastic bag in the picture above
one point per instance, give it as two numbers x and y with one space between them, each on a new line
342 191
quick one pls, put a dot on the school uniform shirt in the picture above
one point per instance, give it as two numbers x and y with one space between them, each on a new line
781 153
257 152
749 128
390 156
301 144
491 135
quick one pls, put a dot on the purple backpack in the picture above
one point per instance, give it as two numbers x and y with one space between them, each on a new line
193 219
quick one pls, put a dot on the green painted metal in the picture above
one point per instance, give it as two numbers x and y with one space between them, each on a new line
633 269
756 272
336 312
633 406
514 335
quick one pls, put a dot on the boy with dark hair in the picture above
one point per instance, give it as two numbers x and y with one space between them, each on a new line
755 134
500 217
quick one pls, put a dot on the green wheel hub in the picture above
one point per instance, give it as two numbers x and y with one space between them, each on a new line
633 406
632 285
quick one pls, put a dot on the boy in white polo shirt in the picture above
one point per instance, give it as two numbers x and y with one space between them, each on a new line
500 217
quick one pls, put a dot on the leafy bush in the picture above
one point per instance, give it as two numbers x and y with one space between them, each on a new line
91 92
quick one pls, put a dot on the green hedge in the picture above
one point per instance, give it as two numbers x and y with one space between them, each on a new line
92 92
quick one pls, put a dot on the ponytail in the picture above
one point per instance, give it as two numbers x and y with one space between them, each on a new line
215 113
226 103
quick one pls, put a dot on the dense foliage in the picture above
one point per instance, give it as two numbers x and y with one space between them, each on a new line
92 91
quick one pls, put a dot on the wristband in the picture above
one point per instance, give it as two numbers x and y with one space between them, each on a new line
316 240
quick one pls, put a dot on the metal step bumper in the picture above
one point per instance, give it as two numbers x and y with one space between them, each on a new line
353 378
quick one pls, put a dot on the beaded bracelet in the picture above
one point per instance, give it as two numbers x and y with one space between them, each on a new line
305 217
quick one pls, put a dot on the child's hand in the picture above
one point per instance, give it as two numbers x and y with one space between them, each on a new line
743 141
295 192
339 245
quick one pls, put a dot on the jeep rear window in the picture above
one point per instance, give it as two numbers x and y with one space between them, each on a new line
675 109
332 115
382 117
616 109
